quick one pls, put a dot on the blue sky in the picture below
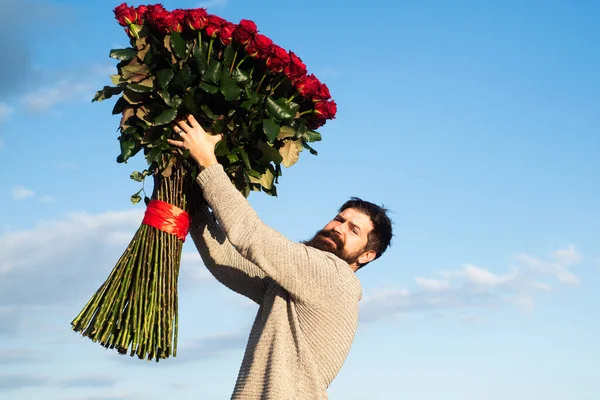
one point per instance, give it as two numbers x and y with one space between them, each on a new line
477 123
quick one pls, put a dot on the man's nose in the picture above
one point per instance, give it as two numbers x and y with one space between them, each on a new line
338 229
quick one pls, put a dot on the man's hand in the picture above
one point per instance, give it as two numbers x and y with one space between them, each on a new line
195 139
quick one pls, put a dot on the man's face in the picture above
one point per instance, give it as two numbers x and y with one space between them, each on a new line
346 235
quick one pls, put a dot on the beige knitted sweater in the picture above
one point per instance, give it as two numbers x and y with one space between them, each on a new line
308 298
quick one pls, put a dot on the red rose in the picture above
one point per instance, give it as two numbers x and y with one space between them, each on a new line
213 25
160 19
308 85
277 59
295 68
141 10
196 18
259 46
226 33
322 93
245 31
125 15
326 109
179 20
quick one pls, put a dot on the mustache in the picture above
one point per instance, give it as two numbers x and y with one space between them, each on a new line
333 236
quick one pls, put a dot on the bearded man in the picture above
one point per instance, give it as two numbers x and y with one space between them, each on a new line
308 293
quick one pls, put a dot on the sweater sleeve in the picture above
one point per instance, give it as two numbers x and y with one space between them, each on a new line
306 273
222 259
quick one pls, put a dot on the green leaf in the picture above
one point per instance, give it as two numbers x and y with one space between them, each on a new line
286 132
123 54
106 93
116 79
311 136
218 126
229 88
120 105
181 80
213 73
279 108
208 88
269 154
245 159
290 152
164 76
312 151
271 192
136 87
271 129
130 71
178 45
137 176
165 117
228 56
267 179
136 198
199 55
189 100
209 112
127 147
134 97
221 149
241 77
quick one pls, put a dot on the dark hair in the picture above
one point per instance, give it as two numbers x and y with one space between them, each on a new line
379 239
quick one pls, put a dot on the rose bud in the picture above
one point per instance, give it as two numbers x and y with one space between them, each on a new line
125 15
295 69
277 59
226 33
178 20
327 109
213 25
259 46
308 85
196 19
245 31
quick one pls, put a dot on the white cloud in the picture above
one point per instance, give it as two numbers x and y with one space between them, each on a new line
567 256
46 199
21 192
49 96
472 288
76 86
64 261
432 284
5 111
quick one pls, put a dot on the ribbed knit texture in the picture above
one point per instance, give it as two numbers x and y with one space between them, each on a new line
308 298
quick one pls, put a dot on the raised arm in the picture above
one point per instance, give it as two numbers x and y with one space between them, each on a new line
306 273
222 259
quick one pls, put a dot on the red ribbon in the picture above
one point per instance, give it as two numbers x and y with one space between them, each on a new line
167 218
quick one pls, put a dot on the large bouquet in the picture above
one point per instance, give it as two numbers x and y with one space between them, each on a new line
235 81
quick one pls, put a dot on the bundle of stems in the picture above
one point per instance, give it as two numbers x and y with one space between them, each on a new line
135 309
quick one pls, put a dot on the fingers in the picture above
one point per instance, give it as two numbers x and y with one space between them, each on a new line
192 121
184 126
176 143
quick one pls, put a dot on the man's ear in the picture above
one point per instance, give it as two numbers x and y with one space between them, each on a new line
367 257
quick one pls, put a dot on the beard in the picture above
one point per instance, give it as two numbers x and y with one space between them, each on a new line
320 242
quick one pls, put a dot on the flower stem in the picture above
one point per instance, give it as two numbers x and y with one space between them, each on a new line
261 81
209 50
241 61
306 112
